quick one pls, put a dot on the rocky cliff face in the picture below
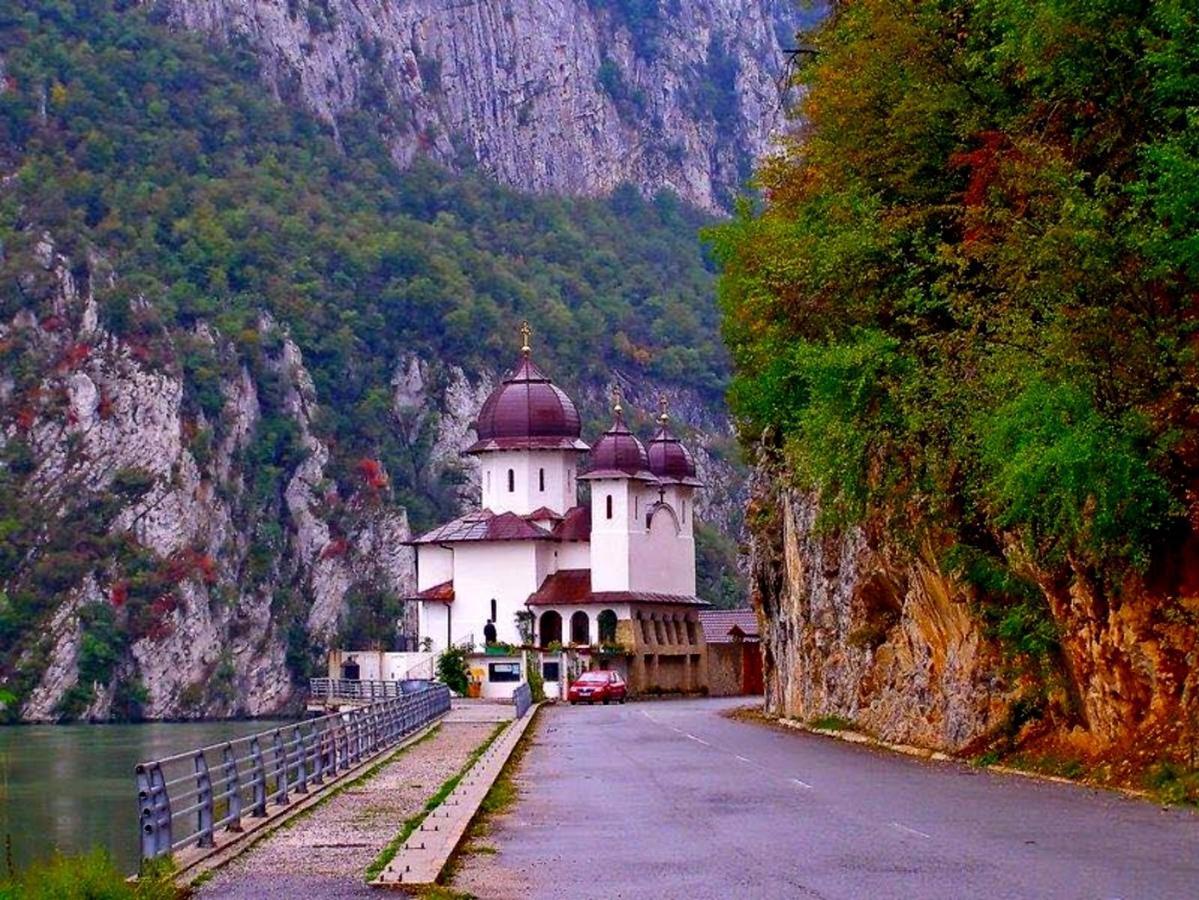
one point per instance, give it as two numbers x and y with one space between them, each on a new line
216 573
565 96
852 633
858 628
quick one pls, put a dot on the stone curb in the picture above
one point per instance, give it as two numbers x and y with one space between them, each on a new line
193 864
856 737
419 862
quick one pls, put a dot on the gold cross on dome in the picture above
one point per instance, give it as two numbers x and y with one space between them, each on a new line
616 407
662 417
525 331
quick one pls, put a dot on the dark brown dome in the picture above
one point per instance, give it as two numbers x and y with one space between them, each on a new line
618 453
669 459
527 411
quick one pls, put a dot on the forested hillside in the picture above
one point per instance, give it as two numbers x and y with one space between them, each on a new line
235 352
963 326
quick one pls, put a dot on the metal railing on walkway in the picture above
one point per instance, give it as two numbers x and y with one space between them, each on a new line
183 800
369 691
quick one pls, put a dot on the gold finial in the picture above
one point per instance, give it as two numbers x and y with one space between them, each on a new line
662 417
525 331
616 407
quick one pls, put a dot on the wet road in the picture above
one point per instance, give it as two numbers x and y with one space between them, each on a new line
672 799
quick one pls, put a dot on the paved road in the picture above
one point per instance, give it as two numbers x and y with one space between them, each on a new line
672 799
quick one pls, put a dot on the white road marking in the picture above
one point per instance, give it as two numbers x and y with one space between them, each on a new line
910 830
802 784
698 740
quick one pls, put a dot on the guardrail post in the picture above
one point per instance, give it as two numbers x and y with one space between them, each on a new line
301 743
232 788
155 812
257 779
280 769
318 755
203 801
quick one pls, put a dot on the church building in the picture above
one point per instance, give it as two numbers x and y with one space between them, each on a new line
610 581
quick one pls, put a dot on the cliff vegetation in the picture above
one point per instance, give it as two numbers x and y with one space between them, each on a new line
963 327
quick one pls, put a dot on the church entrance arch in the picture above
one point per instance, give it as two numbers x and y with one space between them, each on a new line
350 670
550 629
580 628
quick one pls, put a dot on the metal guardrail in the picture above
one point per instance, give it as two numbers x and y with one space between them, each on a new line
184 799
370 691
522 699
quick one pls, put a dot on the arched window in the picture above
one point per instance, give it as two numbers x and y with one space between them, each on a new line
580 628
609 501
606 621
684 510
489 480
550 631
493 616
541 480
511 481
636 506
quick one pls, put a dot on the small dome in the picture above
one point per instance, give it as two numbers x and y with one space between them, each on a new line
669 460
618 452
528 411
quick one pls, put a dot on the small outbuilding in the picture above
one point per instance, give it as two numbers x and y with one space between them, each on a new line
734 651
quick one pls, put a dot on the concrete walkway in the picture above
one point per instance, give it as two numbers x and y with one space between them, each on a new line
325 852
673 799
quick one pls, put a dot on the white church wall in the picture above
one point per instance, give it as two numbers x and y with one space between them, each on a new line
574 555
610 533
503 571
435 624
539 478
663 559
435 565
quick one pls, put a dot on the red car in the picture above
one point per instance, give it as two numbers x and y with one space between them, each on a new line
591 686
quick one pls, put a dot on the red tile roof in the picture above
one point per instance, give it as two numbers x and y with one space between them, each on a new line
720 625
575 526
564 586
572 587
485 525
543 513
442 593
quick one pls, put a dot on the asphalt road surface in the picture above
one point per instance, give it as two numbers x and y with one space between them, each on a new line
672 799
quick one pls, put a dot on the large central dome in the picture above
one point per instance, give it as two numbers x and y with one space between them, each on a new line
527 412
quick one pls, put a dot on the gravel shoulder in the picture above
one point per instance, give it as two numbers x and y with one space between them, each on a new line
325 852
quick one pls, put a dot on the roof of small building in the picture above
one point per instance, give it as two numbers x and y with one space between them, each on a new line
484 525
572 587
722 625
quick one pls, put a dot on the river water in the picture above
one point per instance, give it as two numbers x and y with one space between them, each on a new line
71 787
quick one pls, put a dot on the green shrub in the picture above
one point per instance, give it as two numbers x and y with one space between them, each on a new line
1072 480
453 670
